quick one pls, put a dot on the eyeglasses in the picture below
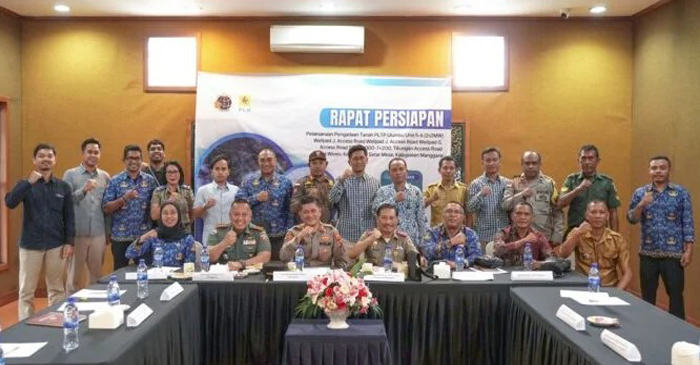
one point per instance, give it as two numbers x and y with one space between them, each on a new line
172 172
452 211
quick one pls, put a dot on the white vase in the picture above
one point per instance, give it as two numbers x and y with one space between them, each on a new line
338 319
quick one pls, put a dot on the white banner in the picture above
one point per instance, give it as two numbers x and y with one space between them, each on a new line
293 115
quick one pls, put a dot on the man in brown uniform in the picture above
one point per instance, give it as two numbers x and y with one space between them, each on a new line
321 242
375 242
316 184
593 242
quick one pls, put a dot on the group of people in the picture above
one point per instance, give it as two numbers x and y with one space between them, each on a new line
339 221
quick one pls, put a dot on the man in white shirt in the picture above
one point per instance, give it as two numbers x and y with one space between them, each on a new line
213 201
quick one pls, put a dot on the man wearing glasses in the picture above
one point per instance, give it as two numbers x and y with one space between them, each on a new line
127 198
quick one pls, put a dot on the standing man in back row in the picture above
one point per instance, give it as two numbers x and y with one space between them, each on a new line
438 194
540 192
269 194
128 200
88 183
485 196
354 192
48 229
156 156
583 187
666 213
315 184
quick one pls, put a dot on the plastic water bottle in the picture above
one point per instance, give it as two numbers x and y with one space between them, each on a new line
527 257
71 324
388 260
459 258
142 279
204 259
594 279
2 357
299 258
113 295
158 257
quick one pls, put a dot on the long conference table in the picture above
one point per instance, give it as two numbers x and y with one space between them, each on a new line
434 321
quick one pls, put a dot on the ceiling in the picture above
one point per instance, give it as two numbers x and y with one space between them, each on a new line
341 8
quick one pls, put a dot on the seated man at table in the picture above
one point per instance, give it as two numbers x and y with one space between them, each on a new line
375 242
321 242
441 241
241 243
593 242
509 242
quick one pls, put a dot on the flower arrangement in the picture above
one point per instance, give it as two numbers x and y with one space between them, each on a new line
337 291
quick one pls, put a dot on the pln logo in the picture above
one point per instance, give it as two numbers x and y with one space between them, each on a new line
223 102
244 103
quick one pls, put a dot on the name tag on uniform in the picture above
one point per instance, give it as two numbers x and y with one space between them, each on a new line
248 242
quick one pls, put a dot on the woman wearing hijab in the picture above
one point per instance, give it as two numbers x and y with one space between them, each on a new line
177 242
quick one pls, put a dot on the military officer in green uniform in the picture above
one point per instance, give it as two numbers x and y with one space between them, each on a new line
321 242
316 184
375 242
241 243
588 185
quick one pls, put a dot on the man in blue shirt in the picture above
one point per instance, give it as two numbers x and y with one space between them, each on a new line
128 198
48 229
441 241
269 194
666 214
407 200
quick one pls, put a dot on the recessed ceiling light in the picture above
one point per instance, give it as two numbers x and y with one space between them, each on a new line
61 8
599 9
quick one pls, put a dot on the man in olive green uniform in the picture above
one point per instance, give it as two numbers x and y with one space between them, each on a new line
321 242
540 192
375 242
588 185
316 184
241 243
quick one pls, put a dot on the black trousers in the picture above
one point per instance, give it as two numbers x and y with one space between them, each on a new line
276 247
672 274
119 252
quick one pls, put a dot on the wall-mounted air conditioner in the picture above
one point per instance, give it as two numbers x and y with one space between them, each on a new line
317 38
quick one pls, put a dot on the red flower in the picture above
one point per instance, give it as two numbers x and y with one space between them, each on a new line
329 292
363 293
341 305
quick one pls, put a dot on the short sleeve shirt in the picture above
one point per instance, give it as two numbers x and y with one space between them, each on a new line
602 188
252 241
609 253
400 245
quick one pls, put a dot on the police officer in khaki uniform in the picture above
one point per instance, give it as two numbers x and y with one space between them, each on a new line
375 242
241 243
316 184
540 192
321 242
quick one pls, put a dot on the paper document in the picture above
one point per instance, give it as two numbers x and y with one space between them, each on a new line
472 276
17 350
589 298
93 294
